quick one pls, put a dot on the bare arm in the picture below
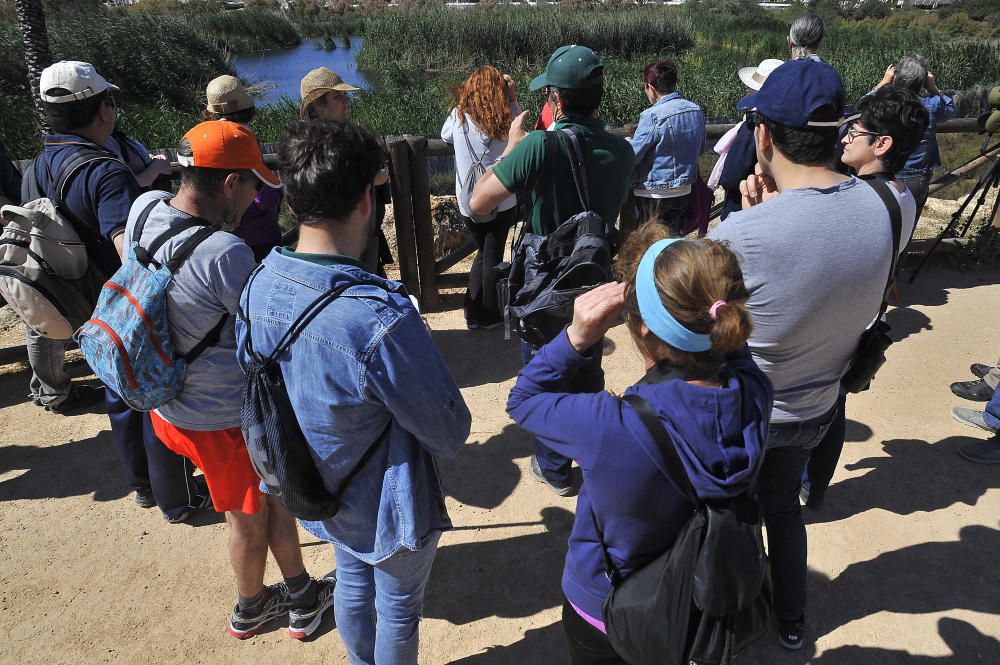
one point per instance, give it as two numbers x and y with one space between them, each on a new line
488 194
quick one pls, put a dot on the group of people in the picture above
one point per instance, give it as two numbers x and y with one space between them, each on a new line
745 334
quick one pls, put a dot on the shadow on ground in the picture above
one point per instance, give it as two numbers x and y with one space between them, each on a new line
485 474
939 277
75 468
914 476
510 578
477 357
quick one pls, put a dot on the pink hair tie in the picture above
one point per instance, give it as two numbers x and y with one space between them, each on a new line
713 311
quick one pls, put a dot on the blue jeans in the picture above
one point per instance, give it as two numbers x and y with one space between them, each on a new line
991 414
378 607
788 448
589 379
49 381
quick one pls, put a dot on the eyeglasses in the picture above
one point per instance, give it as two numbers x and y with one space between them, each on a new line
750 118
544 91
110 101
854 133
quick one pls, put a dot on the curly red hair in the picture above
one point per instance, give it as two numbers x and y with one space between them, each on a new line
484 97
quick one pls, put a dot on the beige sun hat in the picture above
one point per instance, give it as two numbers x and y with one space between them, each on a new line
754 77
317 83
227 95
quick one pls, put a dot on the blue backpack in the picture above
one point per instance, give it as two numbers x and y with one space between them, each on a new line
127 341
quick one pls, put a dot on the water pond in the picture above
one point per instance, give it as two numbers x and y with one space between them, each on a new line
280 72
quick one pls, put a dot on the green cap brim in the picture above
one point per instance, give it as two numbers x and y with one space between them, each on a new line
537 83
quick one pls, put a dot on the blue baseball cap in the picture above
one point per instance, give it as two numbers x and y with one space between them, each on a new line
793 91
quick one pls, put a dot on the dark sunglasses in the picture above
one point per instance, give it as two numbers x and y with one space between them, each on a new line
110 101
751 119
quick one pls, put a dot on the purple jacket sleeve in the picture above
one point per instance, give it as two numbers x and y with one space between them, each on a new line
572 424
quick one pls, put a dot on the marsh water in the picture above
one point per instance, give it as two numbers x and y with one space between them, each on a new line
279 72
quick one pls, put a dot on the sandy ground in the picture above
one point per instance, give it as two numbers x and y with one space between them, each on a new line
902 559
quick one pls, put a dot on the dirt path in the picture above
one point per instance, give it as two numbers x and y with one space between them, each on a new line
903 559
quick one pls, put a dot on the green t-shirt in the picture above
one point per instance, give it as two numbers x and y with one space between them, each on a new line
609 171
322 259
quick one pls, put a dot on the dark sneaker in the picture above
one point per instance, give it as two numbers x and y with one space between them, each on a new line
974 391
472 324
971 417
200 502
982 452
559 488
145 498
80 397
242 626
980 370
790 633
303 622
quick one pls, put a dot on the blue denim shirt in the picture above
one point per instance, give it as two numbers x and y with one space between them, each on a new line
926 157
364 361
667 143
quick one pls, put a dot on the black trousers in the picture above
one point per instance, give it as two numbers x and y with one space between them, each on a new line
587 645
146 462
481 300
824 457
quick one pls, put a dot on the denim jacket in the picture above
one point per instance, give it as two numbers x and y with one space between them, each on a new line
364 363
926 157
667 143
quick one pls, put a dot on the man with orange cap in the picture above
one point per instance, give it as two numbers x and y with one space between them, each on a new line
223 170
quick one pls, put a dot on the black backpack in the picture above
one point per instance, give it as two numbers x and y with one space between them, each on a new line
706 597
547 273
278 449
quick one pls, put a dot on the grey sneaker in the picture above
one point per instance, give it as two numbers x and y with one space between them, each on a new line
971 417
558 488
242 626
303 622
982 452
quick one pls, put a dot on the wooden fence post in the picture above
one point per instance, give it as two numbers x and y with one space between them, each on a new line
420 187
402 212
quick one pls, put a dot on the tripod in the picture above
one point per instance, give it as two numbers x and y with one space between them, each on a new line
990 179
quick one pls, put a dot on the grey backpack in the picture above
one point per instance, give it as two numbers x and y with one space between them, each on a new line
46 275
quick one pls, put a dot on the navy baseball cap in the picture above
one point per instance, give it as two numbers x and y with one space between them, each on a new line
793 91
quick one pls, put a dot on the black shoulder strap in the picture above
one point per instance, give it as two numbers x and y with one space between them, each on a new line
548 166
293 331
211 339
578 165
674 466
881 188
665 443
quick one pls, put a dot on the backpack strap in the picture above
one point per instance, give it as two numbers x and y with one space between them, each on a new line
881 188
674 465
211 339
666 444
578 164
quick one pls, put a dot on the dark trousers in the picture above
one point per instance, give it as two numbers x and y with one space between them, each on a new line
918 184
669 212
588 379
147 463
788 449
587 645
825 456
482 303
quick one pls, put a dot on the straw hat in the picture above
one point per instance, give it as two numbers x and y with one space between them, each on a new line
226 95
317 83
754 77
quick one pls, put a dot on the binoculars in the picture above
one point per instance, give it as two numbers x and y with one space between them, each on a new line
989 122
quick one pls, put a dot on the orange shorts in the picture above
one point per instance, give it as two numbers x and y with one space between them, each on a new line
222 457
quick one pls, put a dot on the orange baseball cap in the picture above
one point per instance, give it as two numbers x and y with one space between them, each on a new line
220 144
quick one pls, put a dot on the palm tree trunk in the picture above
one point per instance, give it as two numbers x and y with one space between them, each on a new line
31 19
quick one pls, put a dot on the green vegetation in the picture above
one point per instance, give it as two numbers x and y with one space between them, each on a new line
163 52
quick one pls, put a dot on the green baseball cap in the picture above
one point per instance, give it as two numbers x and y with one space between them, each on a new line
571 67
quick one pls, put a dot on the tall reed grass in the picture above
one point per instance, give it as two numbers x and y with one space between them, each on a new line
446 40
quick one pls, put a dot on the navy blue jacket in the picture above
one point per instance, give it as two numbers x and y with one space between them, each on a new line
720 434
99 195
740 160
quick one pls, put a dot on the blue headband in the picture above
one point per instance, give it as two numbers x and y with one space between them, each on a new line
654 314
